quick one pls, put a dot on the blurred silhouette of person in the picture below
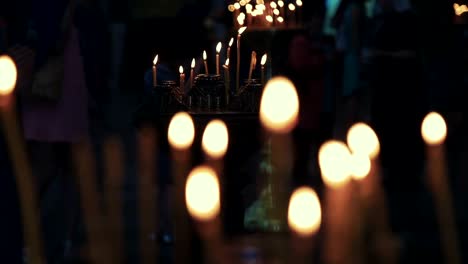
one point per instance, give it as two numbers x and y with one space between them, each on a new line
350 21
398 99
306 63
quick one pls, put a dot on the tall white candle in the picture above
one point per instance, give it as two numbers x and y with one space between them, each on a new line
239 33
205 62
218 50
155 71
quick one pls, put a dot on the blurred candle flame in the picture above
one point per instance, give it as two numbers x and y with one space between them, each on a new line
334 162
273 5
155 60
280 3
215 139
202 195
181 131
280 19
362 139
434 129
8 75
263 60
292 7
360 166
460 9
269 18
304 212
276 12
241 30
298 2
237 6
279 106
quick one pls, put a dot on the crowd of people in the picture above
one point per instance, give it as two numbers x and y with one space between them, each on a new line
387 67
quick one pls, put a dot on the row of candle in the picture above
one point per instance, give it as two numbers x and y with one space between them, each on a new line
226 65
266 14
350 171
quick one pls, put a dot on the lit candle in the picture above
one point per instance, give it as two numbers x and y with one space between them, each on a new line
218 50
334 162
182 79
292 15
279 108
269 19
237 7
299 11
281 7
239 33
155 71
304 218
202 197
180 135
24 177
192 67
228 53
262 62
363 142
205 62
253 63
215 142
434 132
280 21
227 80
241 19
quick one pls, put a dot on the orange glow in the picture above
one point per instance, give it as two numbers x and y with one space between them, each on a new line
202 193
362 139
434 129
181 131
334 162
231 8
215 139
360 166
304 212
279 105
8 75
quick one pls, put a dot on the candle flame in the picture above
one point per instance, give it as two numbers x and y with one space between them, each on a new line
192 65
181 69
237 6
231 8
273 5
227 62
215 139
218 47
334 161
276 12
181 131
292 7
298 2
360 166
248 8
304 212
202 195
280 3
279 105
204 55
280 19
269 18
155 60
362 139
241 30
240 20
8 75
263 60
242 2
434 129
460 9
231 41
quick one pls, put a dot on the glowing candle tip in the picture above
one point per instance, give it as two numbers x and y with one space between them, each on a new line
181 131
434 129
202 194
8 75
215 139
334 162
362 139
304 212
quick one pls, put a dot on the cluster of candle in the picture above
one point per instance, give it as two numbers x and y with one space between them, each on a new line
459 9
266 14
354 197
225 66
